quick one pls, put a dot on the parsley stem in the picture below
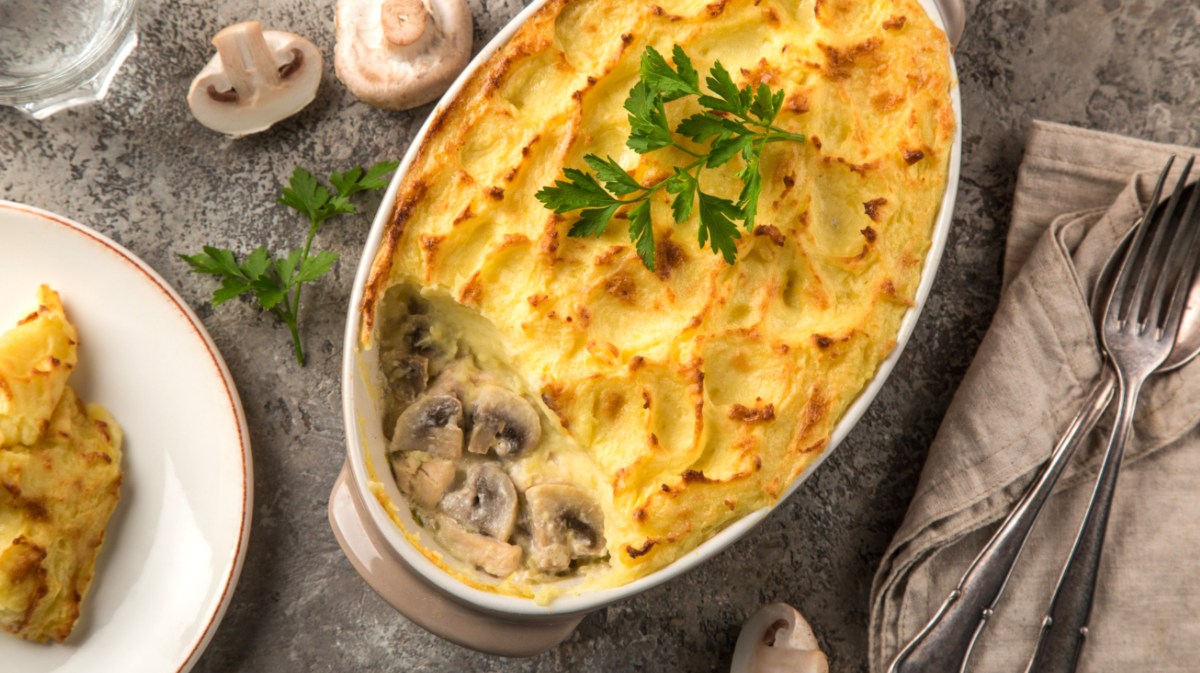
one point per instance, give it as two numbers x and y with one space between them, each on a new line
685 150
293 306
776 132
290 319
647 192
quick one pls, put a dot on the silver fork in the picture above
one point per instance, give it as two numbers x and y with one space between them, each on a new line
1140 324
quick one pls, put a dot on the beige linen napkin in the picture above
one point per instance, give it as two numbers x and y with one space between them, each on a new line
1077 192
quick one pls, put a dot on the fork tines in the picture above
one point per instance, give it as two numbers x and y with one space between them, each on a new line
1169 263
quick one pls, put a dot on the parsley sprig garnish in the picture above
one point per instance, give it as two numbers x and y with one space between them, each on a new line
735 122
276 283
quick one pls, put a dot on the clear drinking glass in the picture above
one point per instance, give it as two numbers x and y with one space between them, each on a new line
55 54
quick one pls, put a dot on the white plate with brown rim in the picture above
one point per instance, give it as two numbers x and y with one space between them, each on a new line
175 544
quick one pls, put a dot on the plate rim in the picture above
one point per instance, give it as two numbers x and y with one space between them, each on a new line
233 574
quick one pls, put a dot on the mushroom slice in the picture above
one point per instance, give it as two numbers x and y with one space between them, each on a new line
504 421
423 481
405 378
398 54
486 501
432 424
566 525
256 79
777 639
493 556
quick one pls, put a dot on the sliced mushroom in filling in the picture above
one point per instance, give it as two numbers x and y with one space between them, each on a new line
422 479
486 501
503 421
405 378
565 525
493 556
433 424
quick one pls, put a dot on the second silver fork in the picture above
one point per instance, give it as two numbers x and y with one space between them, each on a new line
1145 309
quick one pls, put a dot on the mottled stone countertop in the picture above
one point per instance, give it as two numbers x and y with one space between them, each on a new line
139 169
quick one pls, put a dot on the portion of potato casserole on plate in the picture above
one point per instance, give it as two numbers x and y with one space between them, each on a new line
559 416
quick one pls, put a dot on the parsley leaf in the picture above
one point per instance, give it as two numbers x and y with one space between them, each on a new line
666 81
275 283
716 225
616 179
593 221
649 128
641 232
683 186
580 190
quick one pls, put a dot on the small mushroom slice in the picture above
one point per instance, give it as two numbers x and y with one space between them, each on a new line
504 421
423 481
492 556
777 639
486 501
432 424
405 378
566 524
398 54
256 79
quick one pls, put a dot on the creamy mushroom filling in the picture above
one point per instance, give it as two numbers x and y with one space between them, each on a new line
456 435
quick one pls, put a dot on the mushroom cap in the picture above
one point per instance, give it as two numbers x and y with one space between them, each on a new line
565 523
486 501
432 424
400 76
777 639
504 421
423 480
256 79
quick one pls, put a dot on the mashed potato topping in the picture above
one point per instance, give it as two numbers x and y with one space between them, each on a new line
60 476
671 402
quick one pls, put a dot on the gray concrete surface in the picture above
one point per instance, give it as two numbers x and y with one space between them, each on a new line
138 168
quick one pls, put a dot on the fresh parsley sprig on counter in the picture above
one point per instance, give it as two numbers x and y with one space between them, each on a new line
276 283
735 122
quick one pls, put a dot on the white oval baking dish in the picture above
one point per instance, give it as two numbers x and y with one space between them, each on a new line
432 597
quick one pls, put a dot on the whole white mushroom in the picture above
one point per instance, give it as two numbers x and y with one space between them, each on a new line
398 54
777 639
256 79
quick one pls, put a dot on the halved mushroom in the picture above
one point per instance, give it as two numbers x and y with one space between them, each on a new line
493 556
398 54
256 79
777 639
423 481
504 421
566 524
486 501
432 424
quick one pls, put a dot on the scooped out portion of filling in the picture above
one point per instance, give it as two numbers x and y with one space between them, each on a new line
468 449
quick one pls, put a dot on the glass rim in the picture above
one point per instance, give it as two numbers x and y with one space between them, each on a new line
83 68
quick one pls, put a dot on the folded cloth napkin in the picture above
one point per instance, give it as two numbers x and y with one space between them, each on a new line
1077 192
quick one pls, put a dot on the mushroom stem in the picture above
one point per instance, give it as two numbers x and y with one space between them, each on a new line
777 639
248 60
403 21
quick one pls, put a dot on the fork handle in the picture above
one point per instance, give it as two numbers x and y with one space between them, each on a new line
945 644
1064 629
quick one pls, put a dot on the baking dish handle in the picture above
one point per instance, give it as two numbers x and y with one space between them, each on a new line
954 17
398 584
